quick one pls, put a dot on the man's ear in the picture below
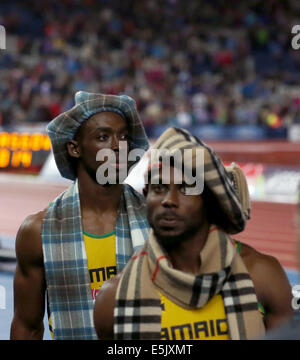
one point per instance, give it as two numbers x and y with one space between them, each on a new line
145 190
73 149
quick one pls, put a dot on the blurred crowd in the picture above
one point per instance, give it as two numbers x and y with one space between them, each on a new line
185 62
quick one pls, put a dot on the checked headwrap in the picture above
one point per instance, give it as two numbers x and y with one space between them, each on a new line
216 177
65 126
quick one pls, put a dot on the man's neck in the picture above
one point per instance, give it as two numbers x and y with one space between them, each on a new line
90 192
186 256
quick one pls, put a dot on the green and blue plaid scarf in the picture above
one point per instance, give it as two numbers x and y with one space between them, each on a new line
65 261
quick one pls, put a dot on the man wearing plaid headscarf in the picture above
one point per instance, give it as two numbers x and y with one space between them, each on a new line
191 280
89 232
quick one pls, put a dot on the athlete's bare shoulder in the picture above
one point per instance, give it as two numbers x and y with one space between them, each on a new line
271 284
256 260
29 242
104 308
258 263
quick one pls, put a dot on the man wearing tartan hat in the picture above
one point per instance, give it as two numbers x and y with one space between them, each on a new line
89 232
191 280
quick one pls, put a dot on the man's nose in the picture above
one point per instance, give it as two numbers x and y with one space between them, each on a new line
171 198
115 143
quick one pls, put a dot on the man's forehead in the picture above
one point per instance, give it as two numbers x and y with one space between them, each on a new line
107 120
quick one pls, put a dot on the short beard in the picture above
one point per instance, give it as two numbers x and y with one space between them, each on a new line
172 242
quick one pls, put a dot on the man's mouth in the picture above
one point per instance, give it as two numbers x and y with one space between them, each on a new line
168 220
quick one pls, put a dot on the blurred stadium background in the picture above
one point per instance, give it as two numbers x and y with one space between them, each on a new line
226 71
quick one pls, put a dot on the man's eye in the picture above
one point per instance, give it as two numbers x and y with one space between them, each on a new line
102 137
158 188
185 187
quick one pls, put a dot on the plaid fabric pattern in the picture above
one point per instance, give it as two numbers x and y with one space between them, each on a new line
137 313
67 277
64 127
216 178
240 184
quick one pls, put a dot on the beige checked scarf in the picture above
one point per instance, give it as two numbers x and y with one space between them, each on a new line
137 313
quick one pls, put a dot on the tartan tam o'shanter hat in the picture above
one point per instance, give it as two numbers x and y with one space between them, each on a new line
228 185
64 127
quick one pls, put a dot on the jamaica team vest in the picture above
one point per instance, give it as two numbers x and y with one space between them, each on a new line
207 323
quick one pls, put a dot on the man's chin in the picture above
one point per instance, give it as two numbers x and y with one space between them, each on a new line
117 179
168 238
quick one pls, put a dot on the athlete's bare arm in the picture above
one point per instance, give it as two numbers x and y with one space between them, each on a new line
271 285
29 281
104 309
